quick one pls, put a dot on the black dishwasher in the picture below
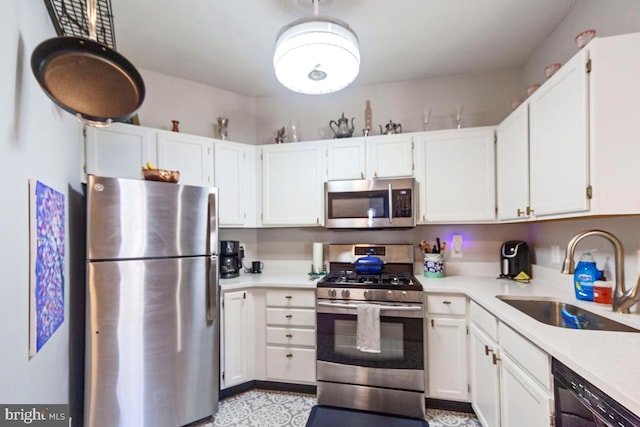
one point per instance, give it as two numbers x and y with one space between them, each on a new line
580 404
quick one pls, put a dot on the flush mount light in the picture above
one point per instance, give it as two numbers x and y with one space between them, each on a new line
316 55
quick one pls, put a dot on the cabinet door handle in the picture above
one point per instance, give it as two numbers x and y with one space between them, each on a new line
289 336
529 210
433 324
289 355
289 316
375 174
487 350
496 359
361 175
520 213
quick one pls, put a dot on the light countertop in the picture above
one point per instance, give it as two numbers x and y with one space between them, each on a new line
609 360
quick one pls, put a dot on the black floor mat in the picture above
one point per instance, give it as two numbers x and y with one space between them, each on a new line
327 416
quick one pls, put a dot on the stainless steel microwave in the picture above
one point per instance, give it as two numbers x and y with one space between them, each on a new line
370 203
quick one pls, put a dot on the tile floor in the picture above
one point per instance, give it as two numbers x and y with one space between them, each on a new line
261 408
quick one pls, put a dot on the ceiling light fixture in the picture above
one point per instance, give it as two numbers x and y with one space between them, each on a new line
316 55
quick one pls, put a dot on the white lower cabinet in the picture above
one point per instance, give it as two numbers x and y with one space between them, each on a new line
485 378
510 377
524 402
446 348
290 336
236 339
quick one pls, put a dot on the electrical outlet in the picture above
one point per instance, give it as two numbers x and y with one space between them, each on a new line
243 250
456 243
555 254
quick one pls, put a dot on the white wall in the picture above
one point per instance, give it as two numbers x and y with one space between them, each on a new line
486 97
196 107
608 18
37 140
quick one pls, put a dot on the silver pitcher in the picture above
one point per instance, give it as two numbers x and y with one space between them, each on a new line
390 128
342 129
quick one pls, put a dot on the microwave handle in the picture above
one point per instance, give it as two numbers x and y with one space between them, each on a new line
390 205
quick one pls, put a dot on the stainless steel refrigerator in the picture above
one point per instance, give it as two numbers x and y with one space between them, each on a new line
152 328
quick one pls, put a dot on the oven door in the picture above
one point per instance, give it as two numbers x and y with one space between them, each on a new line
401 336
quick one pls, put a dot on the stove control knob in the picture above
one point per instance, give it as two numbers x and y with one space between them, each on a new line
390 294
332 293
345 293
367 294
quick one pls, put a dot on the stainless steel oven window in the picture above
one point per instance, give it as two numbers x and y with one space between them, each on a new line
391 341
338 346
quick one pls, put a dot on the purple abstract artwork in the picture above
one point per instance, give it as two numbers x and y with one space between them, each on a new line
47 263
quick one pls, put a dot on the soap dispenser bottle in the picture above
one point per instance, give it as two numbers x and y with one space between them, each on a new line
585 275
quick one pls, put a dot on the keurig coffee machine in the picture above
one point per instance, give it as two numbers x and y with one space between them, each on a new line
230 259
514 259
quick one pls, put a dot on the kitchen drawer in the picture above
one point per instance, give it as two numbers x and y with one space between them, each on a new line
454 305
291 336
291 317
484 320
530 358
291 364
291 298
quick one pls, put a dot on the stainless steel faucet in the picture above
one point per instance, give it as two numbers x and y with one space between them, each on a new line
622 299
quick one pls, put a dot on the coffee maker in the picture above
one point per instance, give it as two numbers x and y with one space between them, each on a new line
230 259
514 259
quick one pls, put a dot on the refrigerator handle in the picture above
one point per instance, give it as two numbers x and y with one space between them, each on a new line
213 295
213 222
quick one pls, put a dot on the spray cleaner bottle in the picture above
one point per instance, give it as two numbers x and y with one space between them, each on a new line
586 274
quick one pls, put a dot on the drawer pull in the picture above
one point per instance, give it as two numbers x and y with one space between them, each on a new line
289 336
288 297
289 355
446 302
289 316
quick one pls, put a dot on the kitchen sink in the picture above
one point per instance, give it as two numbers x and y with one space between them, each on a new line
563 315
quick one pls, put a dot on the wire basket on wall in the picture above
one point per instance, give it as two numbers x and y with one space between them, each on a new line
69 18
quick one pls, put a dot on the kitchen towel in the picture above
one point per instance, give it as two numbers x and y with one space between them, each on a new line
317 257
368 328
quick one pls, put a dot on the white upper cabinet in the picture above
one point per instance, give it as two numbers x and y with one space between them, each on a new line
293 184
235 177
512 165
582 144
119 150
456 175
189 154
346 159
559 141
390 156
384 156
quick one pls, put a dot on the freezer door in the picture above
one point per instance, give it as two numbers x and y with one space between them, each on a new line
152 356
128 218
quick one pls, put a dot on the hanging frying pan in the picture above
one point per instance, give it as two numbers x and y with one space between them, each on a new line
88 79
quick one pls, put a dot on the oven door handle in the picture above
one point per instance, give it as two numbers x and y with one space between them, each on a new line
382 307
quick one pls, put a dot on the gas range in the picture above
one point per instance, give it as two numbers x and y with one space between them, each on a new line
395 283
